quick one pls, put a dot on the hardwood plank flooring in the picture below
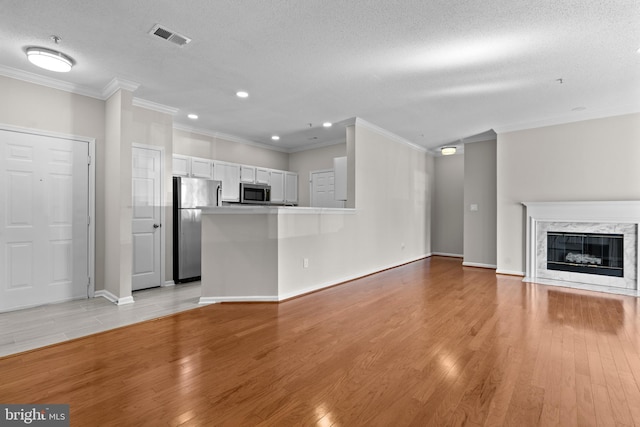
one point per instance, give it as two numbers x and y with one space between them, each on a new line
428 343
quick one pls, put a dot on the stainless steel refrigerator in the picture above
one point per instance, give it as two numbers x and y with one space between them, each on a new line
189 195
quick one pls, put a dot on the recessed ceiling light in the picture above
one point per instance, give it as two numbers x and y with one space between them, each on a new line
275 137
49 59
242 94
447 151
327 124
192 116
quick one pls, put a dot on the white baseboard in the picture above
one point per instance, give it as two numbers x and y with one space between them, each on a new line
114 299
298 292
334 282
479 265
448 254
215 300
125 300
169 283
510 272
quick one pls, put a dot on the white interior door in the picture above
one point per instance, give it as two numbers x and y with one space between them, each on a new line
146 225
323 190
44 220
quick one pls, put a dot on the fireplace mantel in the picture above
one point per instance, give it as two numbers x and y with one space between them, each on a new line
582 214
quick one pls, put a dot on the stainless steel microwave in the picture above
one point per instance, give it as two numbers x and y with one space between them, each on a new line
256 194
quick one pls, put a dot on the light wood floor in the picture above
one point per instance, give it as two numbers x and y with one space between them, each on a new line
429 343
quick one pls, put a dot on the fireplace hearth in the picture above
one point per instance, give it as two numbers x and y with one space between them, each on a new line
589 253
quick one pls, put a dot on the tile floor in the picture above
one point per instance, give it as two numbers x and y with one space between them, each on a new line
31 328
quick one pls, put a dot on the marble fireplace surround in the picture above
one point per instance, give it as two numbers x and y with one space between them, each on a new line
616 217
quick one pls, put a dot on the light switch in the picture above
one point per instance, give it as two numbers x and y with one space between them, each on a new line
474 207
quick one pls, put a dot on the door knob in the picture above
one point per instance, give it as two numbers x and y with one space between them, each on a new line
156 225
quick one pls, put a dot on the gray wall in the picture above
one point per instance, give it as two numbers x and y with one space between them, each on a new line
592 160
304 162
448 205
480 190
216 148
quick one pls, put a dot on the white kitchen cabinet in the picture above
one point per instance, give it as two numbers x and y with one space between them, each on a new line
340 178
201 168
181 165
291 188
229 174
263 176
277 186
247 174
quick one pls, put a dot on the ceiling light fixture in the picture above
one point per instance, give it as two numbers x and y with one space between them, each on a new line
447 151
242 94
49 59
327 124
275 137
192 116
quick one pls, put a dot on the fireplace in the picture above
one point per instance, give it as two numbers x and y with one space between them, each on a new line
590 253
590 245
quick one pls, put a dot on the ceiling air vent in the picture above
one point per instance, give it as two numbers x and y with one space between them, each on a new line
169 35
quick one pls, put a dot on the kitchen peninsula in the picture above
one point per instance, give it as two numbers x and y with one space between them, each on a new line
267 253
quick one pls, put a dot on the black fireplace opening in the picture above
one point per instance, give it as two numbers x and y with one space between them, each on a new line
590 253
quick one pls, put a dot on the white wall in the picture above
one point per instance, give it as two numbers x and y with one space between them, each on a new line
480 190
118 241
593 160
38 107
391 226
448 205
304 162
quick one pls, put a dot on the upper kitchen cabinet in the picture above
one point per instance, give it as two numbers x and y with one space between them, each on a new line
277 186
291 188
229 174
247 174
181 165
201 168
263 176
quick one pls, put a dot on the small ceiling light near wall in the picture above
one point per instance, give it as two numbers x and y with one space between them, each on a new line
327 124
447 151
49 59
192 116
275 137
242 94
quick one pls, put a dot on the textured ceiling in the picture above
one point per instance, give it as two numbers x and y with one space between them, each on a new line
432 72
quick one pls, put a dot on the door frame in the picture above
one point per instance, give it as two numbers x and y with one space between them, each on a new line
91 145
163 206
311 182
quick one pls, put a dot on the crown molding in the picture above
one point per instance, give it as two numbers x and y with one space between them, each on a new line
489 135
149 105
226 137
390 135
573 118
50 82
116 84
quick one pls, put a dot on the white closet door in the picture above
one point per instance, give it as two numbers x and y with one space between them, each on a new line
44 217
323 190
146 225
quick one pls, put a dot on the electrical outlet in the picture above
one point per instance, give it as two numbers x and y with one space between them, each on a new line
305 262
474 208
